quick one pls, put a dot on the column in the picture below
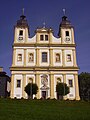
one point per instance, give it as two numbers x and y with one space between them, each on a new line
26 35
12 86
25 57
76 87
14 57
52 91
37 57
38 84
64 81
51 57
74 58
63 58
23 86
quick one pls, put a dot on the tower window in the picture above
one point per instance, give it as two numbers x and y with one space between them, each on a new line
57 57
68 57
18 83
21 32
70 82
46 37
30 57
44 57
19 57
67 33
41 37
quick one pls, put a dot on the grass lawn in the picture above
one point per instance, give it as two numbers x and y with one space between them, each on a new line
44 110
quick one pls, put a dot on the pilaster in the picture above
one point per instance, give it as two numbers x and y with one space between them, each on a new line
12 86
25 57
37 56
23 86
74 58
76 87
52 86
63 58
38 83
51 56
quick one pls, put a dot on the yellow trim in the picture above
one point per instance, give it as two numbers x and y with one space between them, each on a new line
12 86
25 57
23 86
74 58
37 57
38 83
44 44
63 58
52 86
76 87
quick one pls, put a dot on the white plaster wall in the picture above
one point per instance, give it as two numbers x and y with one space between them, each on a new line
72 89
18 91
44 63
55 82
30 50
19 63
54 62
56 40
32 40
71 62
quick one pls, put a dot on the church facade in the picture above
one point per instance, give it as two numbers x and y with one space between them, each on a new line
44 60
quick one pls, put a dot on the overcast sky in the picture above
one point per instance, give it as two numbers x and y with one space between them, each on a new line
50 12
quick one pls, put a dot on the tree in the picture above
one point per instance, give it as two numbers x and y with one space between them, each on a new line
31 89
84 85
62 89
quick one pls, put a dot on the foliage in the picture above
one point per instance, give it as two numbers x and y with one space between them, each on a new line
43 110
31 89
62 89
84 85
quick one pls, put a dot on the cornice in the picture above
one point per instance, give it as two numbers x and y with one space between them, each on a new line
42 45
43 68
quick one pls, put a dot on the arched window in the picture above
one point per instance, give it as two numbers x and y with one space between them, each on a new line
30 57
57 57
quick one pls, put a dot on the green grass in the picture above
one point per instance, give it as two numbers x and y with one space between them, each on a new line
44 110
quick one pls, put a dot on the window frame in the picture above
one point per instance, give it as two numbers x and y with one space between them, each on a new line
29 61
41 37
44 57
57 61
19 57
18 83
69 58
67 33
20 32
70 83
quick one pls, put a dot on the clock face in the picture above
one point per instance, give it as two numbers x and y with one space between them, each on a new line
20 38
67 39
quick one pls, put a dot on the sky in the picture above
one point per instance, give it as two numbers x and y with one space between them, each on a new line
49 11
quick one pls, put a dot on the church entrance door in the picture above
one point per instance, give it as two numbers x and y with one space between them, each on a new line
44 94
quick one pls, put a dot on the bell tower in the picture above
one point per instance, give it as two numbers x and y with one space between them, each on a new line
66 31
21 30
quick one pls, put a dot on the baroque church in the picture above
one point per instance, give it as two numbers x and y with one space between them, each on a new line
44 59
